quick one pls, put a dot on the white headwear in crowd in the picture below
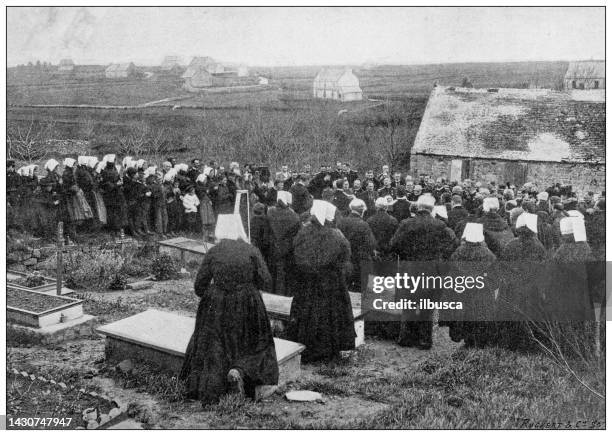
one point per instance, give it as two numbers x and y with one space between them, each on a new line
207 170
51 165
23 171
357 204
473 232
439 211
69 162
543 196
229 226
285 197
529 220
489 203
169 176
201 178
575 213
82 160
31 169
127 162
181 167
330 212
390 201
233 165
140 163
573 225
150 171
100 166
92 161
109 158
381 203
319 210
426 201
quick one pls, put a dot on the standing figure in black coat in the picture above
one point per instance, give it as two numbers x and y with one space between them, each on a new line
401 207
423 239
260 231
302 199
496 230
383 228
360 236
111 187
284 225
232 348
321 314
457 213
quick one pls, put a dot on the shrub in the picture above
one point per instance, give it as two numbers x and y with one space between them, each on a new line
94 270
34 279
118 283
165 267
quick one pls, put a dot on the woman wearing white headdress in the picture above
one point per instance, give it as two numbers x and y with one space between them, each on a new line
522 287
284 225
232 348
474 323
77 210
321 314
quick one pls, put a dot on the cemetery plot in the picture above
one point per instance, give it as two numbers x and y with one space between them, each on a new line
31 282
36 309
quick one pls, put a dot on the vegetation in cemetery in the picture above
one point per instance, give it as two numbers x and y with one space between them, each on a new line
165 267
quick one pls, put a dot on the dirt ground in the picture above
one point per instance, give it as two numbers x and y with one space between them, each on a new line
351 388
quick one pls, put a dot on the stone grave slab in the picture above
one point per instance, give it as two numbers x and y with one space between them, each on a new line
42 318
49 287
185 249
279 308
162 337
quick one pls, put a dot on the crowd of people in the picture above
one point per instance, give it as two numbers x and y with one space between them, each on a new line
309 236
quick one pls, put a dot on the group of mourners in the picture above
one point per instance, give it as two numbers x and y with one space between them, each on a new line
309 236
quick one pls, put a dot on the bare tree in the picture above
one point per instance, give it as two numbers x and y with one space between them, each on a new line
28 143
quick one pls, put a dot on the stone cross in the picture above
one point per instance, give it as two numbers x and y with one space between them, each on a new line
60 254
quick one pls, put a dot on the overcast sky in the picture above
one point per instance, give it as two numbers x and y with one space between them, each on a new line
305 36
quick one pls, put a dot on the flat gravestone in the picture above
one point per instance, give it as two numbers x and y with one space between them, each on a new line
185 249
279 309
162 338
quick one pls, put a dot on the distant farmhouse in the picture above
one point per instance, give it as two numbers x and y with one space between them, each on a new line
171 65
121 71
65 66
242 71
512 135
585 75
337 84
208 63
196 78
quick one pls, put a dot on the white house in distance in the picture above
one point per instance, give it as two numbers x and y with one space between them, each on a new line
585 75
196 78
66 66
120 71
337 84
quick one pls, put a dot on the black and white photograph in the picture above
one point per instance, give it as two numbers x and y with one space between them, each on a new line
304 217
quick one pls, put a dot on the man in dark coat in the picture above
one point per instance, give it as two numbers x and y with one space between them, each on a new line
383 228
401 207
341 200
496 230
422 238
369 196
194 171
260 230
361 238
130 189
284 225
387 189
457 213
112 189
301 197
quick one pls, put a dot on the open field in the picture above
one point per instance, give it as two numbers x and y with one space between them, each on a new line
274 125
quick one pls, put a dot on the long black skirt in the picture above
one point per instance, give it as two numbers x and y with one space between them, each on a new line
232 331
321 316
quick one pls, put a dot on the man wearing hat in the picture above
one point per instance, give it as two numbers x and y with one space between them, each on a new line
302 200
360 236
425 239
369 196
